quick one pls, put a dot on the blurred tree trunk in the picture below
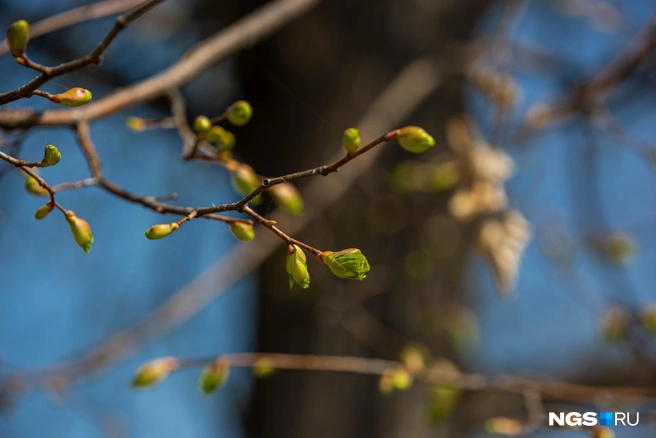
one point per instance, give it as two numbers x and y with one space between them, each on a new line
309 83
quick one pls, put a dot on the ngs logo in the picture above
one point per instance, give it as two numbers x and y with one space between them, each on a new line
590 419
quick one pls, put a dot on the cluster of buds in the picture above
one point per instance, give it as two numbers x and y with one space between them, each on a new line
18 35
499 87
214 376
397 379
81 231
153 372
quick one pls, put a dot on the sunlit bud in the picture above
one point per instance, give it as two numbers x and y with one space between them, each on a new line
648 318
44 210
351 140
202 124
264 367
503 426
287 197
601 432
17 37
348 263
240 113
444 400
615 324
414 139
153 372
227 142
414 358
620 248
81 231
136 124
160 231
33 187
73 97
244 179
51 156
242 231
214 376
402 379
297 269
386 382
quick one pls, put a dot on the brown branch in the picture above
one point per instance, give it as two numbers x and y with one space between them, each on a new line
270 224
409 90
95 168
92 58
242 34
74 16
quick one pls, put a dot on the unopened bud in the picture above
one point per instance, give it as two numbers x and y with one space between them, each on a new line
648 318
287 197
51 156
351 140
297 269
33 187
245 180
601 432
402 379
414 139
153 372
348 263
44 210
242 231
17 37
81 231
414 358
202 124
503 426
214 376
240 113
620 248
73 97
160 231
616 324
218 136
264 367
136 124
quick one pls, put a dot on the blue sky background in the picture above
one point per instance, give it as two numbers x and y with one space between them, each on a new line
56 301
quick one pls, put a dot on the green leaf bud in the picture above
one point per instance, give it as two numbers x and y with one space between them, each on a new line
240 113
44 210
349 263
153 372
202 124
136 124
402 379
17 37
242 231
287 197
218 136
297 269
351 140
414 139
81 231
73 97
33 187
160 231
648 318
214 376
51 156
264 367
244 179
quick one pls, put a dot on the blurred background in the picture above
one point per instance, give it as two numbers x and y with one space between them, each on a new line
522 244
